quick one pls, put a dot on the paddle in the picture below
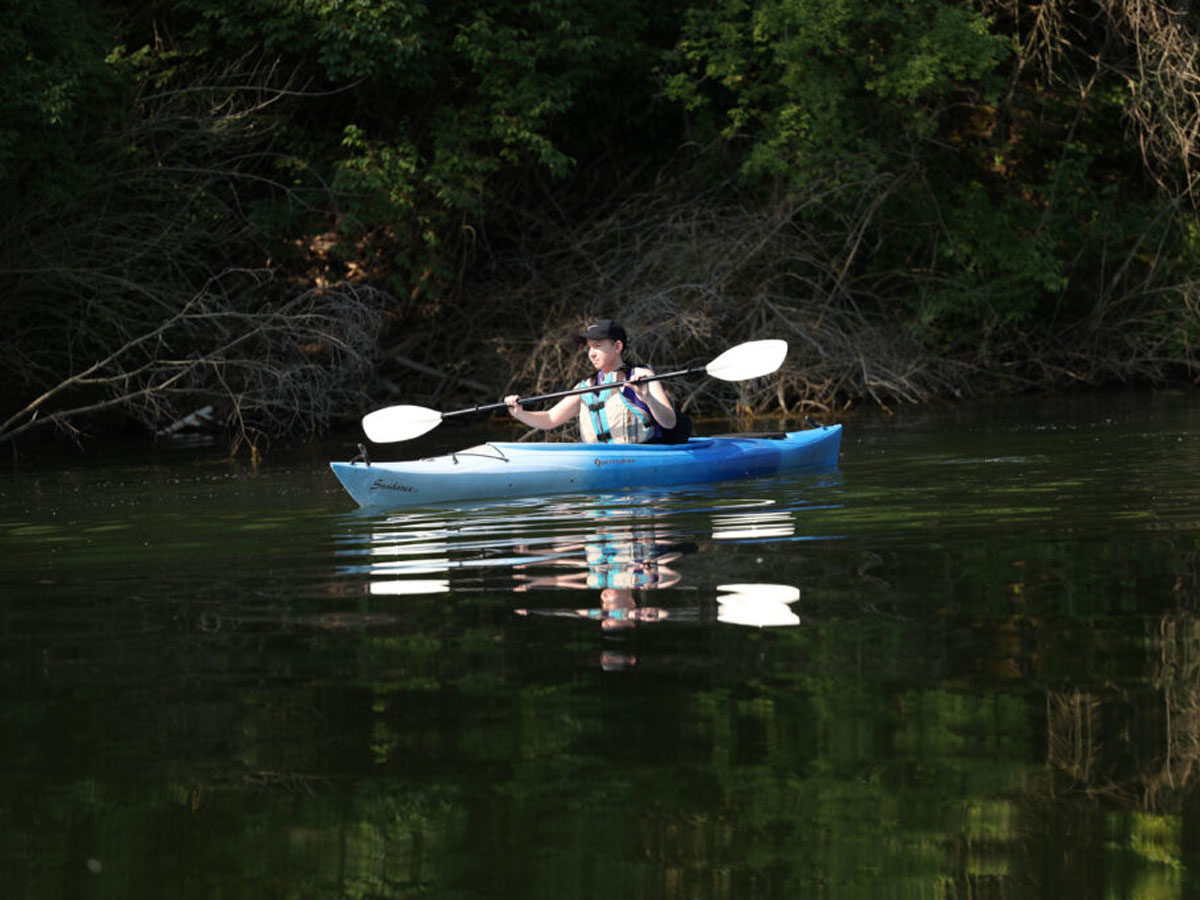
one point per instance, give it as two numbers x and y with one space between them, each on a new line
739 363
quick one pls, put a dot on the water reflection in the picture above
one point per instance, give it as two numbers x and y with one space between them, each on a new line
756 605
618 609
615 559
628 551
759 605
242 689
754 524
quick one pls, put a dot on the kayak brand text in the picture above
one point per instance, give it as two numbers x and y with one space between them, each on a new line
382 485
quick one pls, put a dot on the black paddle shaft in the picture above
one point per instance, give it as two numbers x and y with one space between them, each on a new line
488 407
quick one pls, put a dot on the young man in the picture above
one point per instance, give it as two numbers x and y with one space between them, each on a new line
619 409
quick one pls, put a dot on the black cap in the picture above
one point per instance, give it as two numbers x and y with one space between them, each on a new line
602 329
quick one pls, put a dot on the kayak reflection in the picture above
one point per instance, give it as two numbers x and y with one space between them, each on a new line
619 545
621 548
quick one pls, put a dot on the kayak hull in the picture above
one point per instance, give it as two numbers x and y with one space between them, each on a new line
506 470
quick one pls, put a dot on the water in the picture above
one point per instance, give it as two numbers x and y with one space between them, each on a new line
965 663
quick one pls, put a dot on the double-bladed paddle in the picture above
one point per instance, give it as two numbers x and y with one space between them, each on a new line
744 361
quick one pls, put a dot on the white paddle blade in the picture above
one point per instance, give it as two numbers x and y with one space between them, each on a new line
749 360
399 423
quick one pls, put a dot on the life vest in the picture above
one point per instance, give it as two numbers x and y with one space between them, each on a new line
615 414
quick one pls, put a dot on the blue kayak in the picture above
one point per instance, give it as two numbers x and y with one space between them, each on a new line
505 470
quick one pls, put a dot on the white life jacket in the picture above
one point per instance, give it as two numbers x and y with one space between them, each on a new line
614 414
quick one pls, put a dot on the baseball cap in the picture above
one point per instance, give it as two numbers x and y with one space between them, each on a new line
602 329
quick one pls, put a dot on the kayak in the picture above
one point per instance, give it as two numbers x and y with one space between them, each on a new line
506 470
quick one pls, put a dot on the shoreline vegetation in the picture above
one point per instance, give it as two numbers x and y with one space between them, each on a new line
294 213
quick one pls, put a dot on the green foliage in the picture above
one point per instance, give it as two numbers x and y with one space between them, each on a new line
820 86
999 202
55 85
349 40
950 173
1001 255
437 107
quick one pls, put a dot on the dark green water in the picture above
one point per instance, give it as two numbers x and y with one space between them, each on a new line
217 681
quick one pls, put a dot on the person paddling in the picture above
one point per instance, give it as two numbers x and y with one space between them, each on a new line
619 409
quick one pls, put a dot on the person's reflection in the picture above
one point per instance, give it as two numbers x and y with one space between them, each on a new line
618 609
617 563
623 559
